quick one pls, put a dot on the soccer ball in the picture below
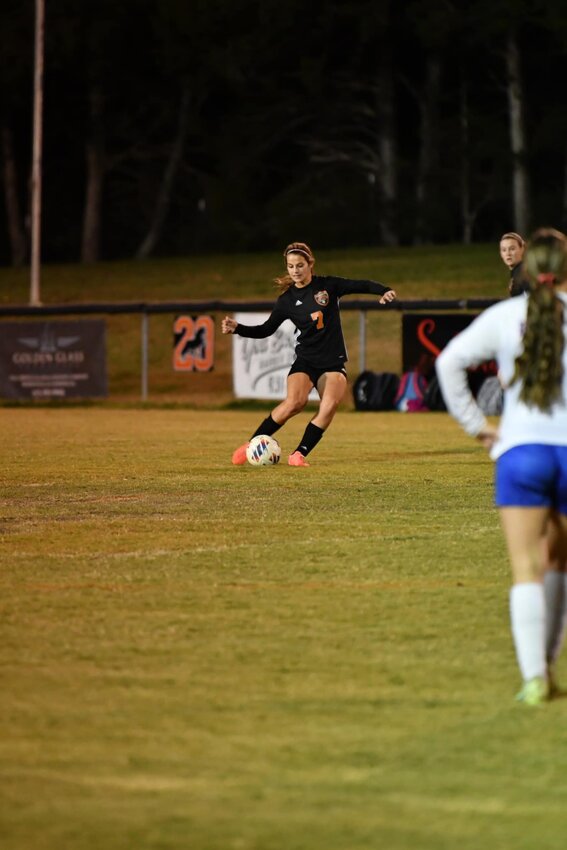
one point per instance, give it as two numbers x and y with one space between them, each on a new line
263 451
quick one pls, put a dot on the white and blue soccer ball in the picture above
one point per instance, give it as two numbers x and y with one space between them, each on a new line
263 451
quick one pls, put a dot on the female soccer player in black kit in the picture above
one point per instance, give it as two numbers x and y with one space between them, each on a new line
312 303
512 248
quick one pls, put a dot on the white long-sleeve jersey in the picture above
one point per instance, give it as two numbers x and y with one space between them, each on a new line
497 334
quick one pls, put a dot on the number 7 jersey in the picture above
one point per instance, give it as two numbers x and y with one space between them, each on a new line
314 310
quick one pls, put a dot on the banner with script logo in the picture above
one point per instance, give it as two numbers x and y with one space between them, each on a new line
424 337
46 360
260 366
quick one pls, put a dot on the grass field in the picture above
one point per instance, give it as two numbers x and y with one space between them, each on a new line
203 657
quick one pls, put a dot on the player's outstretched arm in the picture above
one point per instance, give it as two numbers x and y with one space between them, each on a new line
388 296
228 325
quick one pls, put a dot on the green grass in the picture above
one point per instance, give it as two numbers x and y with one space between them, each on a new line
447 271
450 271
208 657
198 656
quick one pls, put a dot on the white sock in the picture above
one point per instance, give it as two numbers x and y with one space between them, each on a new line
554 588
562 627
527 613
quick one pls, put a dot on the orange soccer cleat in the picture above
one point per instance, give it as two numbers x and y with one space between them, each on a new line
297 459
239 455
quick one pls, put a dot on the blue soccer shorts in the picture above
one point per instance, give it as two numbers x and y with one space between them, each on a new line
532 476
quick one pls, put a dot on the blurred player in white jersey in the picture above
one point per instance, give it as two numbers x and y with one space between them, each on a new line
528 338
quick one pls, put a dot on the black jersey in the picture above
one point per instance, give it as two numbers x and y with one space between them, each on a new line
518 282
314 310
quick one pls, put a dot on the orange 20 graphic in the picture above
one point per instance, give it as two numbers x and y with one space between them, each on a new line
193 349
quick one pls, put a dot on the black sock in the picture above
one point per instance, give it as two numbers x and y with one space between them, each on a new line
310 439
267 427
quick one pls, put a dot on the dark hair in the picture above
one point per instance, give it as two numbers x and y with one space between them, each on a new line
283 283
540 365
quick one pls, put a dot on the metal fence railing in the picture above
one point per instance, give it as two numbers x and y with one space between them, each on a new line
147 308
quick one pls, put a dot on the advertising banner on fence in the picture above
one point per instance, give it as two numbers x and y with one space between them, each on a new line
260 366
46 360
426 335
193 343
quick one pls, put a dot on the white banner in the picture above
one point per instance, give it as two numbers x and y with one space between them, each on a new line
260 366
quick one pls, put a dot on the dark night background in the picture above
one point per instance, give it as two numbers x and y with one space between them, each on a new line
229 125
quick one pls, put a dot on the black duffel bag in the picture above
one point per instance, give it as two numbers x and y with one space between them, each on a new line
375 390
433 397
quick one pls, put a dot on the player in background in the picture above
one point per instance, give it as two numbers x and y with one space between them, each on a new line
312 303
512 248
528 338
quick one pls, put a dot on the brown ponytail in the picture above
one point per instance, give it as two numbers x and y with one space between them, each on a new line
540 365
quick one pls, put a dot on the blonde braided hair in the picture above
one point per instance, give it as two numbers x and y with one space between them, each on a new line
540 365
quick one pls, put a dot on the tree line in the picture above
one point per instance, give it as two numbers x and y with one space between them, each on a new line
180 126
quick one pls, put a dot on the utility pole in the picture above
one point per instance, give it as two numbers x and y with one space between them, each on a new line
35 298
